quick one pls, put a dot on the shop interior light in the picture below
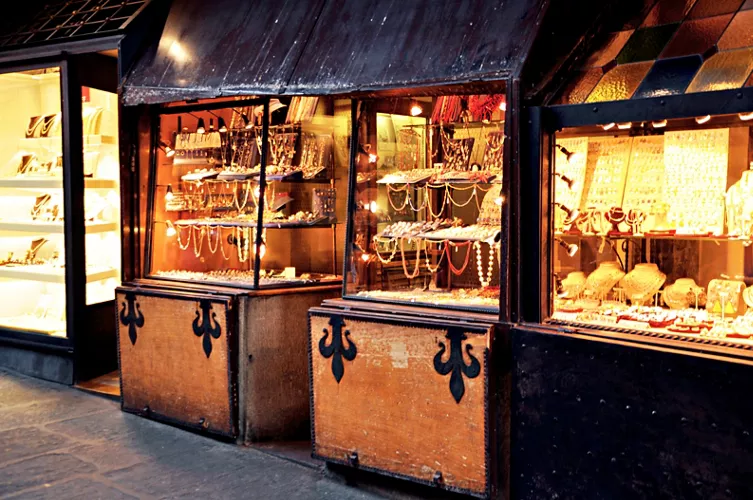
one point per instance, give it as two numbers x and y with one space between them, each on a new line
373 158
700 120
572 214
221 126
262 249
169 193
499 200
503 106
570 156
169 152
746 116
570 248
624 126
200 128
608 126
567 180
416 110
211 124
373 207
659 124
365 257
170 229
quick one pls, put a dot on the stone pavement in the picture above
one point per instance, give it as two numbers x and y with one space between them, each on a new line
58 443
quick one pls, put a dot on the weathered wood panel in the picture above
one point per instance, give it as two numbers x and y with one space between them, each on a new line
276 387
175 359
392 408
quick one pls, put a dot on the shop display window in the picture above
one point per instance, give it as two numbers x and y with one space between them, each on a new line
652 228
32 225
426 206
218 209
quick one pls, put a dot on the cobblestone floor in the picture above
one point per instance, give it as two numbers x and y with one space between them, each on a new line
59 443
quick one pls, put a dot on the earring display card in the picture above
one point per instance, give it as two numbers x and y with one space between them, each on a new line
696 177
608 159
645 177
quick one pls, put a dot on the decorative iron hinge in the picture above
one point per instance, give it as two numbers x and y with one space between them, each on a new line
202 325
455 363
133 318
335 349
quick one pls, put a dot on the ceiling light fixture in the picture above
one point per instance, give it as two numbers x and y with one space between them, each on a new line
700 120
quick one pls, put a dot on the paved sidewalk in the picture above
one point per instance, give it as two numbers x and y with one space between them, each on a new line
59 443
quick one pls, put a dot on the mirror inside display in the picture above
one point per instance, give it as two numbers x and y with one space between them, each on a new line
427 201
653 225
212 210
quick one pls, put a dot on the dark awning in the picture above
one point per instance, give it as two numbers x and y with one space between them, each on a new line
258 47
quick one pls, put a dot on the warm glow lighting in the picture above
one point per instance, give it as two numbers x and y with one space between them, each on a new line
416 110
257 192
372 158
170 230
499 200
503 106
702 119
608 126
624 126
373 207
169 152
169 194
365 257
200 129
746 116
659 124
177 52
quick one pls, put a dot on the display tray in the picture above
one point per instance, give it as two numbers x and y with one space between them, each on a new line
245 278
321 221
658 235
438 183
458 297
50 274
57 227
439 236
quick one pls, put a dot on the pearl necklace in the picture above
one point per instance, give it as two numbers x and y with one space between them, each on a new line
480 265
242 248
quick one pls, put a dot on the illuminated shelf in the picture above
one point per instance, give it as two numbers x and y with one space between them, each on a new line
57 227
46 183
655 236
56 142
48 275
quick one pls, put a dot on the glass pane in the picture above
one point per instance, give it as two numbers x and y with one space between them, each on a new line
652 231
725 70
669 77
32 234
708 8
581 86
205 199
620 82
427 220
668 11
696 37
102 195
610 49
740 32
646 44
306 192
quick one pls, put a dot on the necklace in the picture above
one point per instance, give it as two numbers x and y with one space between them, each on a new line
188 240
390 189
442 250
473 196
441 205
456 271
222 247
245 199
217 231
197 251
242 246
480 265
393 244
416 269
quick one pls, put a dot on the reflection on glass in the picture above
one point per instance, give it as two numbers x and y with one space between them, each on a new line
651 232
427 204
207 201
32 259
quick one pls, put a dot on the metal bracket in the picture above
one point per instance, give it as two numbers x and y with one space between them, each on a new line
455 363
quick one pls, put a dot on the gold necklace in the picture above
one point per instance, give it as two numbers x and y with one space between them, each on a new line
442 251
188 241
197 251
222 247
242 249
216 229
417 268
393 251
390 189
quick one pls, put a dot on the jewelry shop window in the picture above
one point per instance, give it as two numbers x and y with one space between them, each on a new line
427 201
32 232
208 187
653 225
